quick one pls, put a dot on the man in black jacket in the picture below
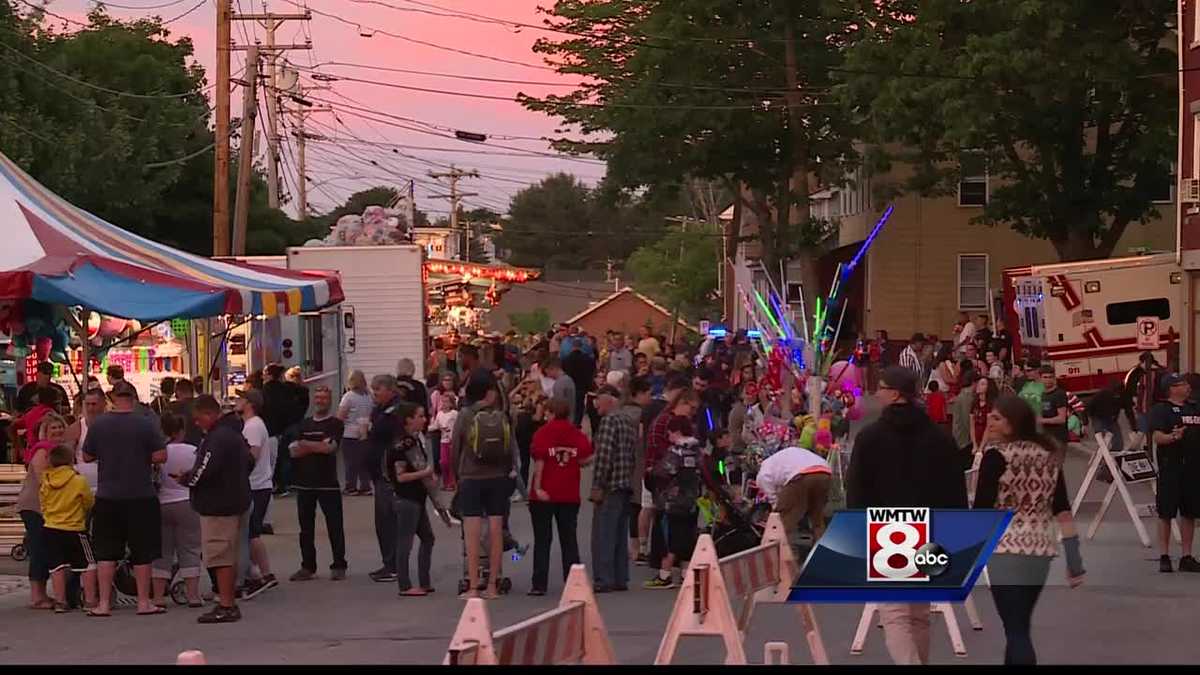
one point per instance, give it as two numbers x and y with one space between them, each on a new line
220 493
904 459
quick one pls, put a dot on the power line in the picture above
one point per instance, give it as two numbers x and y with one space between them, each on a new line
584 104
357 111
483 18
42 9
406 38
89 85
544 83
106 3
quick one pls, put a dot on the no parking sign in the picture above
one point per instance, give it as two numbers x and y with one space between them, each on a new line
1147 332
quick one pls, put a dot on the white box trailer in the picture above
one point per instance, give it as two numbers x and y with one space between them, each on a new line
1082 316
382 318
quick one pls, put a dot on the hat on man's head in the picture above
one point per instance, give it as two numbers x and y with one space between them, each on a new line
45 368
1171 379
124 388
902 380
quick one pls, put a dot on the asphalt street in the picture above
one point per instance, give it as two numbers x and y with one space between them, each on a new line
1127 612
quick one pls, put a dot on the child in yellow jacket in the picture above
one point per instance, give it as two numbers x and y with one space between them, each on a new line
65 500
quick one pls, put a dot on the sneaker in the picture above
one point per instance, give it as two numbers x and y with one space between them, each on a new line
1164 563
337 574
303 575
1189 564
640 560
620 589
268 528
659 582
383 576
602 589
254 587
221 614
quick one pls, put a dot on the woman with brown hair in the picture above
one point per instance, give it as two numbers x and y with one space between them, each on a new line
1021 471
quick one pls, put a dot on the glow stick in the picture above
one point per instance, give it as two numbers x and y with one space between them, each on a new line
862 250
790 335
766 310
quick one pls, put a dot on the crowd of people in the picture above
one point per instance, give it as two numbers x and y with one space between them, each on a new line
679 439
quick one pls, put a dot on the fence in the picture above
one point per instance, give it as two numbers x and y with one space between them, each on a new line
12 530
704 606
572 633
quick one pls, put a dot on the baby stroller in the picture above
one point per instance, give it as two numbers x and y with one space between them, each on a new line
504 584
736 529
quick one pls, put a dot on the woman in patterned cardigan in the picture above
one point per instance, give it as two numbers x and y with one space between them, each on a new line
1021 471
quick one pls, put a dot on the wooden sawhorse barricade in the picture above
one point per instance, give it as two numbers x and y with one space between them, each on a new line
946 609
762 574
571 633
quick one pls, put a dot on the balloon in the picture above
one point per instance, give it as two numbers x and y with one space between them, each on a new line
808 437
93 325
843 374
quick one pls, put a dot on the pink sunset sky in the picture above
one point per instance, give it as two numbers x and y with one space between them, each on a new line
334 172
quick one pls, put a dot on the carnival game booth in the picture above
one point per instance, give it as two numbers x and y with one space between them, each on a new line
76 289
461 293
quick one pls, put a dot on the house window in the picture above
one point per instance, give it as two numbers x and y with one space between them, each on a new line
1164 191
973 281
972 179
1195 145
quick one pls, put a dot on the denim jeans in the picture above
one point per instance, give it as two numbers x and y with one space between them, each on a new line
545 515
385 523
244 545
354 456
330 502
1017 581
1114 427
413 521
610 540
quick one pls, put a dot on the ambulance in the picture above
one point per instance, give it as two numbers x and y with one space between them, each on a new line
1084 317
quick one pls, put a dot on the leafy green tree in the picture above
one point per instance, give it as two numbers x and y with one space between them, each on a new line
712 89
680 270
1072 110
114 118
536 321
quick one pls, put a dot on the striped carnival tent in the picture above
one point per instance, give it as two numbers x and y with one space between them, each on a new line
55 253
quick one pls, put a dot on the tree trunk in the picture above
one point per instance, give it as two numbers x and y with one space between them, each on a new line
1079 245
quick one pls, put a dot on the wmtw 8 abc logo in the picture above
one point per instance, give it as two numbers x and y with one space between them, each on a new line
900 546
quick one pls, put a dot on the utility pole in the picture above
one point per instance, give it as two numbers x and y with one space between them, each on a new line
271 22
412 204
221 170
302 137
246 152
454 174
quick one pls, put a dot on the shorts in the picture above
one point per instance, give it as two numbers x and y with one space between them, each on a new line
647 499
127 526
68 550
219 540
478 497
1178 489
681 536
260 499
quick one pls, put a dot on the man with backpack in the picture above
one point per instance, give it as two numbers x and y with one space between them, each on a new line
484 455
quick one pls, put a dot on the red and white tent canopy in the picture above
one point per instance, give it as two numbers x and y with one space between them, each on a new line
56 253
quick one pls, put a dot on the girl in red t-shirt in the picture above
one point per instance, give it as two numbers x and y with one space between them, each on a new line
558 452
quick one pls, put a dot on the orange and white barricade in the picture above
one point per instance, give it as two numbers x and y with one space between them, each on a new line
572 633
704 605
